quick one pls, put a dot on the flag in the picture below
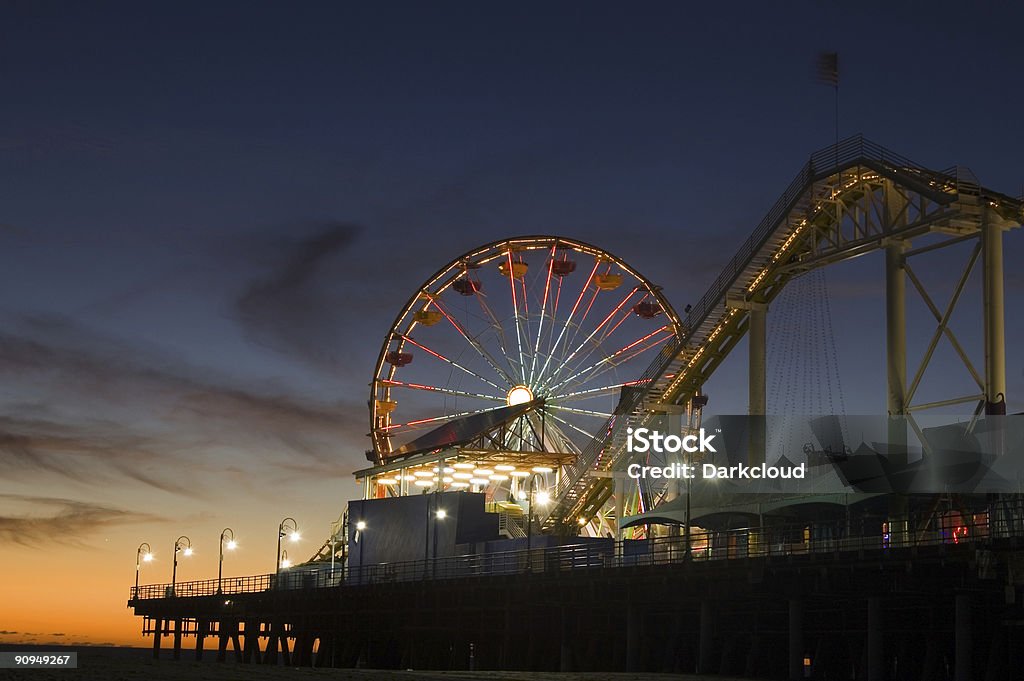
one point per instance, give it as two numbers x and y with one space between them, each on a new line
828 68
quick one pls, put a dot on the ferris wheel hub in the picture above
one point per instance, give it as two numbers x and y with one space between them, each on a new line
520 394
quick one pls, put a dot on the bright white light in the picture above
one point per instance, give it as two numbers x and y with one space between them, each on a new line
441 514
519 474
361 525
188 551
232 545
147 557
521 494
542 469
462 476
295 536
286 563
498 478
459 484
543 498
519 395
504 467
424 483
483 472
479 481
464 465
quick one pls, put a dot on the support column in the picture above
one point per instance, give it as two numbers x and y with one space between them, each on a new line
158 633
962 629
995 323
796 639
633 625
706 643
177 638
896 328
565 643
876 641
896 375
757 337
201 628
222 641
620 505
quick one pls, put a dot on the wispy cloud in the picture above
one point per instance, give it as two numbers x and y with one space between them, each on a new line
72 520
92 408
289 308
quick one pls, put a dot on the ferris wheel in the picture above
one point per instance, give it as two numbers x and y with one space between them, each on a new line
524 346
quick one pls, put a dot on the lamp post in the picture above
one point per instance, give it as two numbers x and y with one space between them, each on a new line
289 526
227 539
144 554
358 537
542 498
285 563
183 544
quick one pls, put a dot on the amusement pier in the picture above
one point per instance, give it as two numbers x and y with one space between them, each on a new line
500 526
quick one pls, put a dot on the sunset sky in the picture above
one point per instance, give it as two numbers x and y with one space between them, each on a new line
211 213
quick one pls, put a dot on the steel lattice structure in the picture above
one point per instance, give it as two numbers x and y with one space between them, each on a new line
849 199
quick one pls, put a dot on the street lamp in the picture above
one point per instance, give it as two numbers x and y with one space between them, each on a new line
183 544
227 540
357 537
289 528
543 498
285 563
144 554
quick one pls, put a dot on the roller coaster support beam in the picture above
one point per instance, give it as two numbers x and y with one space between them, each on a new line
896 374
758 339
757 372
995 340
896 346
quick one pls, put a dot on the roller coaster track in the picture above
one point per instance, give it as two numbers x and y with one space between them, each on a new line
849 199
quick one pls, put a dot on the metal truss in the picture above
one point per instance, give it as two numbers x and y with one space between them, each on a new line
850 199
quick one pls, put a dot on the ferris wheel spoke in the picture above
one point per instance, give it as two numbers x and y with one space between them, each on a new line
610 367
593 333
437 419
481 350
515 310
594 347
576 331
568 424
451 362
391 383
568 320
592 392
543 311
577 410
612 357
499 331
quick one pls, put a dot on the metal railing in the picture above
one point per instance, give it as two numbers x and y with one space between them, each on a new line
975 528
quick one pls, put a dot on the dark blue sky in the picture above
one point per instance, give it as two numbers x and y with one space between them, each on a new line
159 162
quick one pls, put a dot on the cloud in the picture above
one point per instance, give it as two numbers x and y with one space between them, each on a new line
92 408
71 520
67 518
8 633
290 308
